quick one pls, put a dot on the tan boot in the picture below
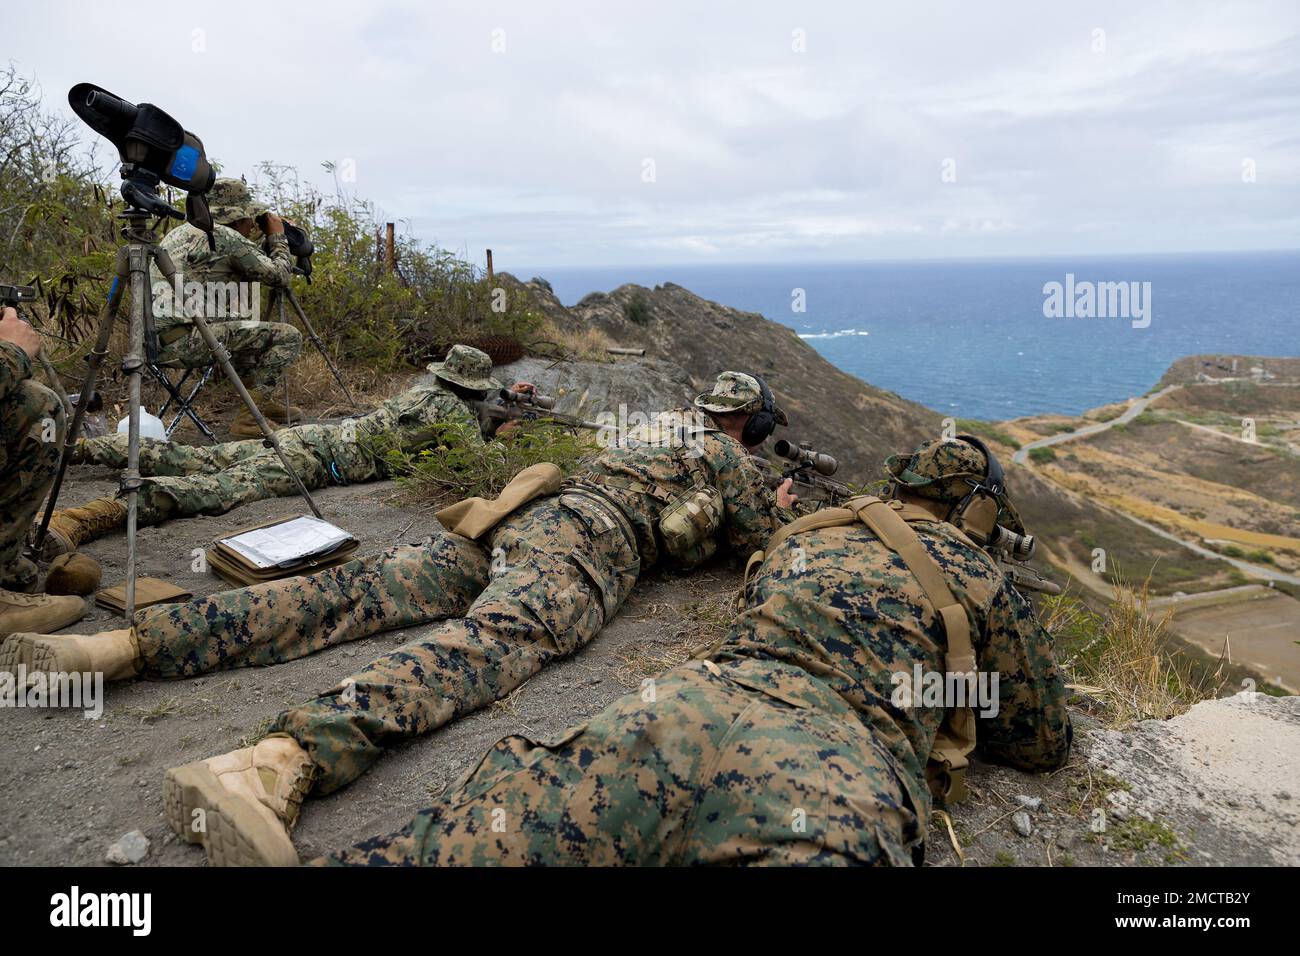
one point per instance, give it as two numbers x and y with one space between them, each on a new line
270 402
37 612
242 805
70 528
244 426
115 654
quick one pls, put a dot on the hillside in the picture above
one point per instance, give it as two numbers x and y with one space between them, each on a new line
1200 483
835 411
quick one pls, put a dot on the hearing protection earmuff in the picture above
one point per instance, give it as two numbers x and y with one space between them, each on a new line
977 514
762 423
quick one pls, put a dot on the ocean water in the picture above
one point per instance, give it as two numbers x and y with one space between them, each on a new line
969 338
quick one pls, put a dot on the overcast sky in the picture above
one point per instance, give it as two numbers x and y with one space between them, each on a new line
768 132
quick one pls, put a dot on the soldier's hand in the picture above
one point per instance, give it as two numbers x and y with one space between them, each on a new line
271 224
528 388
785 498
506 429
20 333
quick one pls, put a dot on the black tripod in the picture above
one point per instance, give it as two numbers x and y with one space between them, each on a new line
132 268
278 297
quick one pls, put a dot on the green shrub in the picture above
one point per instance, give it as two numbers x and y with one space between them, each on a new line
452 466
983 429
1041 456
637 309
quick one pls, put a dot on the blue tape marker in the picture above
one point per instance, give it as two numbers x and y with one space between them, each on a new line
184 163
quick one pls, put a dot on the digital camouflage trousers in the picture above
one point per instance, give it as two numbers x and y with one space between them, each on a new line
259 351
543 584
187 480
703 766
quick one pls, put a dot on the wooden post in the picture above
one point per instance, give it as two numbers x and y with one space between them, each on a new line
390 249
491 276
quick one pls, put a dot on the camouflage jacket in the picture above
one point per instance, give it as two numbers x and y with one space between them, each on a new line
406 413
15 368
833 611
235 260
404 420
651 455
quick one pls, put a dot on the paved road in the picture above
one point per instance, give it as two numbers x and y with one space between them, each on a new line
1136 408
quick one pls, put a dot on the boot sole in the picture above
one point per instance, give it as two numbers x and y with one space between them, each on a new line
234 833
40 653
55 544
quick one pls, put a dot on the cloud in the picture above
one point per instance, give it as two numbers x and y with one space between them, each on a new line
526 130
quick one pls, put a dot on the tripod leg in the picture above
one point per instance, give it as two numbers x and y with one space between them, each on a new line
56 383
316 341
223 359
132 365
288 415
93 361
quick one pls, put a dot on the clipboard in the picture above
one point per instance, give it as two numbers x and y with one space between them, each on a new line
229 562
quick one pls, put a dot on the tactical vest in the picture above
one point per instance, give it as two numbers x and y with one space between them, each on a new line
689 520
891 521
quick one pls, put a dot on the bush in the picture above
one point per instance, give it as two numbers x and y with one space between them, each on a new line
637 309
452 466
1041 456
983 429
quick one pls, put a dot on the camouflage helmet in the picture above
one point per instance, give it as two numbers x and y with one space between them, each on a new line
737 392
229 200
467 367
938 469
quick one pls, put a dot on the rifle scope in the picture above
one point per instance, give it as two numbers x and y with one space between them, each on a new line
1019 547
536 399
803 455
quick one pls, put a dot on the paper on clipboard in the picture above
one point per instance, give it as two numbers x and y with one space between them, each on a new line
286 543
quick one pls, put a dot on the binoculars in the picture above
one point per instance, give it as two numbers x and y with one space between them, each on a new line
14 294
803 456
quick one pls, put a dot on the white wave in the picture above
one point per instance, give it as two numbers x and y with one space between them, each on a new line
832 335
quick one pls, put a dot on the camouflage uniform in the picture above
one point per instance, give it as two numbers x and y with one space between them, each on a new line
784 746
27 460
258 350
561 567
186 480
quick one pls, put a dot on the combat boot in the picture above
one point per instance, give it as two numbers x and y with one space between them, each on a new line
115 654
273 408
70 528
242 805
37 612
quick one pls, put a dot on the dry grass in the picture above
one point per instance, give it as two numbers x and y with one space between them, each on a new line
312 384
697 625
638 663
587 344
1124 661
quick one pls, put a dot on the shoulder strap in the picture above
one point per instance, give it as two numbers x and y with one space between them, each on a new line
891 522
